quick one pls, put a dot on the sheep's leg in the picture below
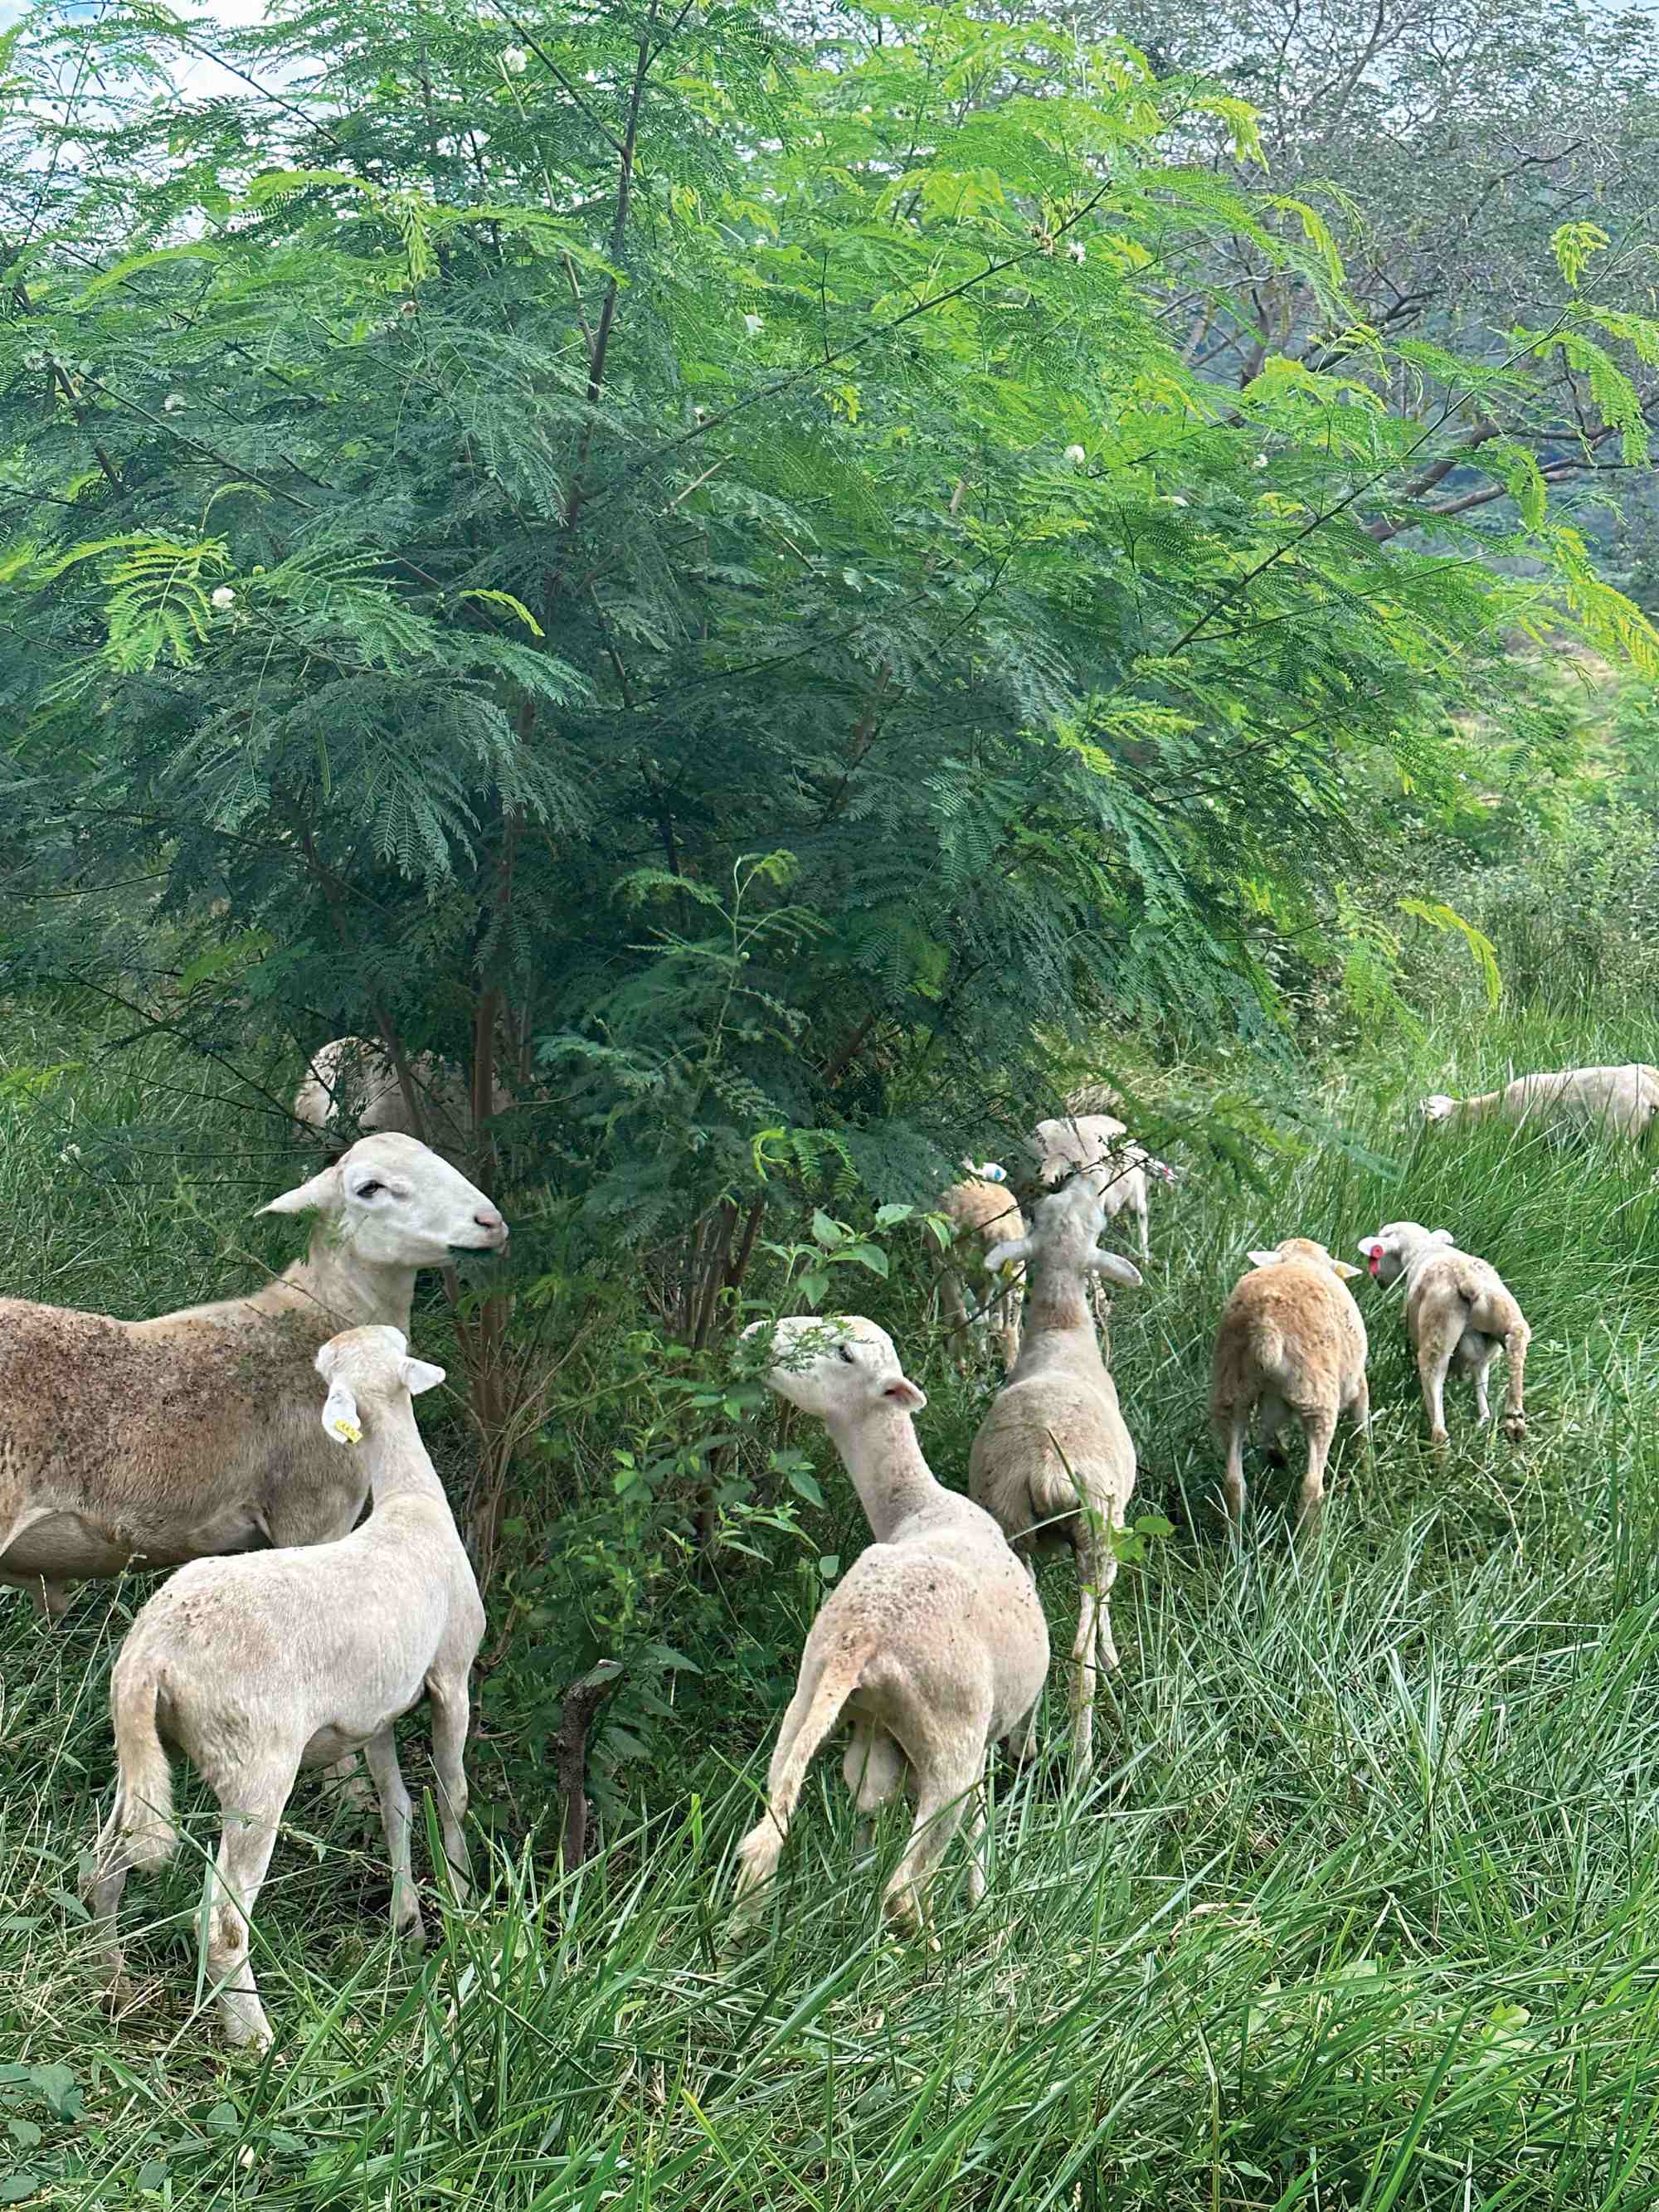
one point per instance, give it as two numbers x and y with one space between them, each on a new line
1481 1370
1433 1359
1320 1427
1092 1580
244 1849
451 1708
1027 1749
1007 1326
763 1847
1140 1203
951 1298
977 1868
101 1893
942 1800
381 1752
1234 1479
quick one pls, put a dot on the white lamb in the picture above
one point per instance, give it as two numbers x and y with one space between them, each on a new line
1457 1307
933 1643
1290 1341
1620 1102
352 1085
1053 1461
256 1666
1119 1171
149 1442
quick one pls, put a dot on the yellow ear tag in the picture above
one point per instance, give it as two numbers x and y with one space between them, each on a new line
348 1431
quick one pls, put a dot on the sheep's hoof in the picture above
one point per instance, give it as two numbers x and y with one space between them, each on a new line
1438 1440
1515 1429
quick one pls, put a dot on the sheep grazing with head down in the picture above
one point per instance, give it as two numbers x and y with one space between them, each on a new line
982 1212
1290 1341
933 1645
1457 1307
254 1668
148 1442
1617 1102
1053 1461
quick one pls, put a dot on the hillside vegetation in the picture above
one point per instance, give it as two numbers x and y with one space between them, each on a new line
1358 1911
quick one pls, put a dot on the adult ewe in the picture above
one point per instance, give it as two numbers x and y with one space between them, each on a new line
1620 1102
933 1644
127 1442
1290 1341
1053 1461
1457 1307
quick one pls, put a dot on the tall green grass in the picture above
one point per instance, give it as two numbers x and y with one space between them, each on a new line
1362 1911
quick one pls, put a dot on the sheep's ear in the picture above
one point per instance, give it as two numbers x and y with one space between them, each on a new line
903 1392
1266 1259
1008 1254
1342 1268
1441 1236
1121 1271
340 1418
322 1190
420 1375
1370 1248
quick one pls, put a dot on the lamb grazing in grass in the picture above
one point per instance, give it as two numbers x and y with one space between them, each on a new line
127 1442
1620 1102
1053 1461
1457 1308
933 1644
1290 1341
352 1085
256 1666
982 1212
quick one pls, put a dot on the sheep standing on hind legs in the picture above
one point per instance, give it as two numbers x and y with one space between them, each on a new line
258 1666
1290 1341
933 1644
1457 1307
1053 1461
149 1442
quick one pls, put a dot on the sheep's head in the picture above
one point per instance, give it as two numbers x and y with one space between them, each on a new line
1438 1106
1304 1250
366 1367
840 1367
1393 1244
1065 1232
395 1204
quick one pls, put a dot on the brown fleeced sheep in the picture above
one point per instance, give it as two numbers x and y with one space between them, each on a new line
1620 1102
982 1212
1457 1307
1290 1341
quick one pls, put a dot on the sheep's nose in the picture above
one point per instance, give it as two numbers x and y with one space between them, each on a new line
487 1218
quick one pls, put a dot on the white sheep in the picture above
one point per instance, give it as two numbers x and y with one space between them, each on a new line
1053 1461
1290 1341
1617 1101
149 1442
982 1212
1457 1307
256 1666
933 1643
1119 1171
352 1084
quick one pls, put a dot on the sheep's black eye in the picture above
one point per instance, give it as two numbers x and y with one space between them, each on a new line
844 1353
368 1190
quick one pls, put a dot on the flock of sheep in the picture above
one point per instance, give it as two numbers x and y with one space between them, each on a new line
187 1440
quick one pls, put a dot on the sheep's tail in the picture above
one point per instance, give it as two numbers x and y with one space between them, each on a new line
761 1849
142 1813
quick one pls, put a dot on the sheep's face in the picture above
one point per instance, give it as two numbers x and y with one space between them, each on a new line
1308 1253
1438 1106
1387 1253
396 1204
839 1368
367 1367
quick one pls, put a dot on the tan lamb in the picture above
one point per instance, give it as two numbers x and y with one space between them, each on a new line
1290 1341
1457 1308
933 1645
982 1212
1619 1102
1053 1461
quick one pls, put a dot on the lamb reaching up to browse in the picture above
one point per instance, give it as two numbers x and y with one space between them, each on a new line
257 1666
932 1644
1620 1102
1290 1341
1457 1307
1053 1461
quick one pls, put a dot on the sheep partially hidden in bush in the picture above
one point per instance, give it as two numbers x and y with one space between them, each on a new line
1620 1102
1290 1341
148 1442
351 1088
933 1644
1457 1307
1118 1171
256 1666
1053 1461
982 1212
